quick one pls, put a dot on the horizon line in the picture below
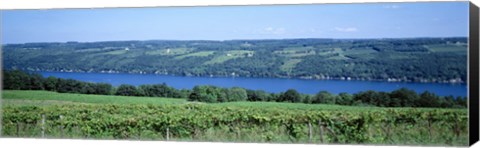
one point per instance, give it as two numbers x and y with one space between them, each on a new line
382 38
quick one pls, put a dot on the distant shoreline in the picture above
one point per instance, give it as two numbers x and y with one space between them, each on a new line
298 78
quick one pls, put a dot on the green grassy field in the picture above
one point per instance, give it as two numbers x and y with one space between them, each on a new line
20 97
196 54
34 97
292 51
147 118
290 64
232 54
169 51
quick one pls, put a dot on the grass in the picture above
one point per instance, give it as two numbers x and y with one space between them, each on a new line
44 98
170 51
292 51
195 54
27 97
232 54
402 134
290 64
325 107
219 59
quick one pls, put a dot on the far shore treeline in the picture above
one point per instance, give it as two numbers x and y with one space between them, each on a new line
403 97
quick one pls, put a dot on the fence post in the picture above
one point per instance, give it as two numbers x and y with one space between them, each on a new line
168 134
321 129
43 125
61 126
457 129
18 129
310 132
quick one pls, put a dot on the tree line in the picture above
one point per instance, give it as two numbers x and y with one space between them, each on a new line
20 80
403 97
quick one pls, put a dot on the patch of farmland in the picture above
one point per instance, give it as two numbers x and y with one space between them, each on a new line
296 51
290 64
170 51
232 54
195 54
363 53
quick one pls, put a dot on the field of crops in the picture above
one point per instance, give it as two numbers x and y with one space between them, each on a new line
90 116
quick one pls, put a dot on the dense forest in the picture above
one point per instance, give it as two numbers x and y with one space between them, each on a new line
19 80
412 59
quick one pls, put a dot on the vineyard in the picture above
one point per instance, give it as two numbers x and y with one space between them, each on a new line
205 122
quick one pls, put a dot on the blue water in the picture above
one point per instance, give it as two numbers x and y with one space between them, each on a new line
268 84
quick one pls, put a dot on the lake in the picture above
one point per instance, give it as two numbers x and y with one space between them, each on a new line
268 84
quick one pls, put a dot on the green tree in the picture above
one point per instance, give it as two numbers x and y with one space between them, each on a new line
323 97
88 88
407 97
237 94
15 79
448 101
36 82
257 95
204 94
126 90
50 83
428 99
103 89
69 86
366 97
344 99
291 95
160 90
461 101
307 99
221 94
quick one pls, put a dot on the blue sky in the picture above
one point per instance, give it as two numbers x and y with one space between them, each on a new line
374 20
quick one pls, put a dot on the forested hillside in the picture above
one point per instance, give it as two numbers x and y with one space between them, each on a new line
415 59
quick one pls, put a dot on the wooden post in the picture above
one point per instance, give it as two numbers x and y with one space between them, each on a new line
321 129
61 127
168 134
43 125
237 130
430 129
18 129
310 132
457 129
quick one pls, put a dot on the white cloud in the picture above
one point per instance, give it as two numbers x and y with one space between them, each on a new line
346 29
272 30
391 6
269 29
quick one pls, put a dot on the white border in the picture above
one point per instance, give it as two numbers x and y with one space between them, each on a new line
59 4
79 143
